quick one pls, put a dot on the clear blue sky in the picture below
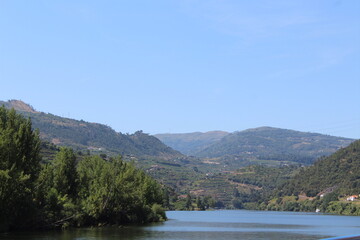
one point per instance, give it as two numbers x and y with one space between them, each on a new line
186 65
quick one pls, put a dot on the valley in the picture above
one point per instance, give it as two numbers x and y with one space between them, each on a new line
236 170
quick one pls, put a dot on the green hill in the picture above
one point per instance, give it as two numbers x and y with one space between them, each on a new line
339 171
160 161
94 137
272 146
190 143
324 186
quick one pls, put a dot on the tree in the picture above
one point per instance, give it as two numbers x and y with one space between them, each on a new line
116 192
237 203
188 203
236 193
166 198
63 193
19 168
65 174
200 203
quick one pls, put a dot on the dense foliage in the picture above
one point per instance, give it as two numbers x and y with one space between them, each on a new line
65 191
19 168
324 186
96 191
340 171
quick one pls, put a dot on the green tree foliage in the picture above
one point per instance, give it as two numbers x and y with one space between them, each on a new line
108 192
56 191
188 203
65 174
66 191
344 208
116 192
200 203
166 198
340 171
237 203
96 191
19 168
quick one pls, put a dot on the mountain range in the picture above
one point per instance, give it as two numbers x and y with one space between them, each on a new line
263 145
257 145
212 170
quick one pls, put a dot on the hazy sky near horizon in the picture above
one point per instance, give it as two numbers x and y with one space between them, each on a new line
186 65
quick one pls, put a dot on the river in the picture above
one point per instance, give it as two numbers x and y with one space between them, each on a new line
222 224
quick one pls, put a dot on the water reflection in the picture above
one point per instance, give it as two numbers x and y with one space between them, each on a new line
147 234
215 225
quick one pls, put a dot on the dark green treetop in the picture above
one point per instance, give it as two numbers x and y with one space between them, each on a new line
19 168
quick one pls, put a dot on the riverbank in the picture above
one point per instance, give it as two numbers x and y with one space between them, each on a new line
217 224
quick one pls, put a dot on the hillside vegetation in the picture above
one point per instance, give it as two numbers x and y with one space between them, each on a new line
222 174
340 172
91 136
267 145
324 186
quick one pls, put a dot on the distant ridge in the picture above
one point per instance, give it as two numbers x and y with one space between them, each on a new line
190 143
91 136
268 143
264 145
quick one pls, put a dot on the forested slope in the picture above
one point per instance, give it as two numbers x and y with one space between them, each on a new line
274 144
340 171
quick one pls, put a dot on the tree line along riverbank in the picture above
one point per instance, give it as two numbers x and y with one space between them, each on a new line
67 192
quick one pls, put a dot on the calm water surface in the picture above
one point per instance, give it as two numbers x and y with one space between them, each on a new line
227 224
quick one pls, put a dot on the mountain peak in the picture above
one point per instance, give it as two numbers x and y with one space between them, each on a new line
18 105
258 129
